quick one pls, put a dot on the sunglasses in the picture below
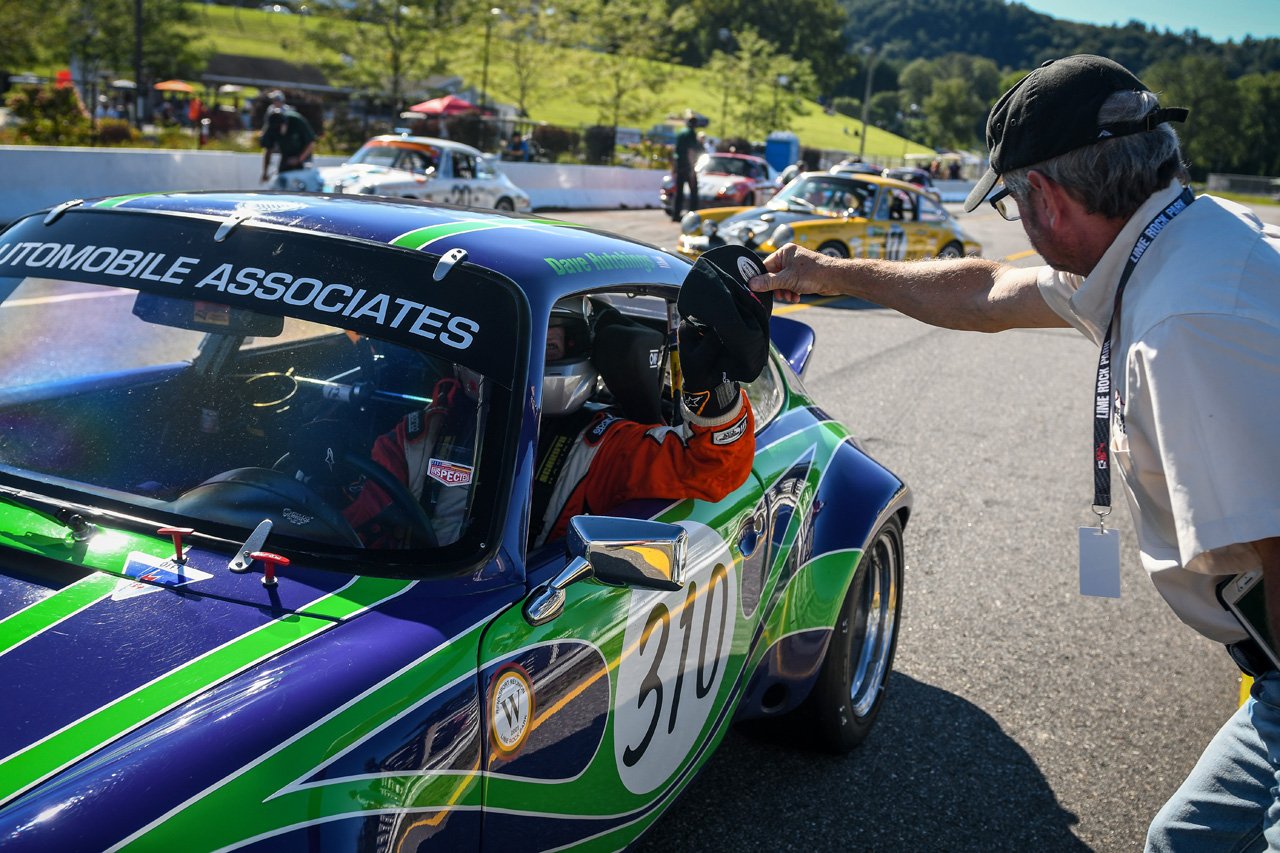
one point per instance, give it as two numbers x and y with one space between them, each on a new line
1005 205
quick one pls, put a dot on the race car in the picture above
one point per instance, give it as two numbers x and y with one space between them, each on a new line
727 178
199 651
848 215
424 167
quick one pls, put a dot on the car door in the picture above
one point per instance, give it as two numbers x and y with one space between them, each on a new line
441 186
886 238
466 190
596 719
921 238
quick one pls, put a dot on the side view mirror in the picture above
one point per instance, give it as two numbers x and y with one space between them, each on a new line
617 551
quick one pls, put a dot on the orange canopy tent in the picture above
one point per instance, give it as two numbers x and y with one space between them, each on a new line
174 86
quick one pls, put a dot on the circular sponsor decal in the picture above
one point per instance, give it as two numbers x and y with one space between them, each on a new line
748 268
511 709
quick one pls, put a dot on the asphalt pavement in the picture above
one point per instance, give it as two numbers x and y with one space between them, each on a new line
1020 716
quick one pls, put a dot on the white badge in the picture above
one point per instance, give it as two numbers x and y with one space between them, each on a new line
1099 562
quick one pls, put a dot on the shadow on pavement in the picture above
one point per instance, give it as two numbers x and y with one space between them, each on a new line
937 773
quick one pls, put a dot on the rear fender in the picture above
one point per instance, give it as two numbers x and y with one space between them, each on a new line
855 498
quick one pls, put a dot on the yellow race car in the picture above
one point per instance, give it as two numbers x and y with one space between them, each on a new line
844 216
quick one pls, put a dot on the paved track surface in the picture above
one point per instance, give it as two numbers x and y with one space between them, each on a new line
1020 715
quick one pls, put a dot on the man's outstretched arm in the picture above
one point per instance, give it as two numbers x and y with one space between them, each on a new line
970 293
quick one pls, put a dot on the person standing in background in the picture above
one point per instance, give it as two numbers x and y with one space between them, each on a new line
687 152
284 130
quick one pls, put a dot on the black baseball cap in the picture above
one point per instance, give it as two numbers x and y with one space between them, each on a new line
1053 110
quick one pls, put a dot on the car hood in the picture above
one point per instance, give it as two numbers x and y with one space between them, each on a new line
774 215
107 636
362 175
714 181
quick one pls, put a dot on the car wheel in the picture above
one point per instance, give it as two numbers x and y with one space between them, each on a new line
851 685
834 249
505 205
952 250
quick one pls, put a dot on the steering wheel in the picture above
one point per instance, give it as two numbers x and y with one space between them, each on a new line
244 496
409 510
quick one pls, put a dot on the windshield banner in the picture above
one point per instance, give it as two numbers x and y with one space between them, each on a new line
374 290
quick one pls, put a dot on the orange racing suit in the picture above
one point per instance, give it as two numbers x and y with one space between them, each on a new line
615 460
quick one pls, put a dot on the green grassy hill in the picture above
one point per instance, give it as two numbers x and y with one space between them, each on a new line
250 32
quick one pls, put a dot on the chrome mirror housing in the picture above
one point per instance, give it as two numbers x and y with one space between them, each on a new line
630 551
618 551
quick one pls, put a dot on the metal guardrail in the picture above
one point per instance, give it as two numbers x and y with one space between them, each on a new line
1251 184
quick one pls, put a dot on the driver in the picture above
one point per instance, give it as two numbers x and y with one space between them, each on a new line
592 461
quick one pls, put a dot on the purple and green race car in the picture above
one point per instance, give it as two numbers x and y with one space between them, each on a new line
199 652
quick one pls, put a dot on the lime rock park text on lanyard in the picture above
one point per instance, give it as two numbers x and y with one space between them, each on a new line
1102 389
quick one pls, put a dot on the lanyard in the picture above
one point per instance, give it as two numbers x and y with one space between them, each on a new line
1102 388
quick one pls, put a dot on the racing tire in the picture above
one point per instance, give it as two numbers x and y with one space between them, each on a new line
952 250
505 205
851 684
834 249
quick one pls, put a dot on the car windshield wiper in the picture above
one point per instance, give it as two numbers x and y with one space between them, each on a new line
71 517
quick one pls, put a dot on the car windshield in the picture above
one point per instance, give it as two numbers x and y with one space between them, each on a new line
197 409
727 166
395 157
827 193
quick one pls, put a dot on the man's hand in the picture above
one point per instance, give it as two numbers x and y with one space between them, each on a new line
792 271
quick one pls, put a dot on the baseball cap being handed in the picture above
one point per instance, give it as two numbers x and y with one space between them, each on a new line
1053 110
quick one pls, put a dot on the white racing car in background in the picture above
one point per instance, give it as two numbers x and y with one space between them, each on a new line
424 167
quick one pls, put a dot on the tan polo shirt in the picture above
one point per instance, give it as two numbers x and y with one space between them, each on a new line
1195 432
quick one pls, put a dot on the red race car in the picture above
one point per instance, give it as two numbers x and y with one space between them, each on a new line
726 180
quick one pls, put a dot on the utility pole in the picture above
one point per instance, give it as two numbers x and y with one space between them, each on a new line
137 63
872 55
484 77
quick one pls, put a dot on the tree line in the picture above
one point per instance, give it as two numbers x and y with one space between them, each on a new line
931 68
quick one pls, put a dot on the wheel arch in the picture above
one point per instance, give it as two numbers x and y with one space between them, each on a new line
855 498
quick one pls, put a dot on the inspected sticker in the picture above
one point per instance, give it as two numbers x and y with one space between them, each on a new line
450 473
153 574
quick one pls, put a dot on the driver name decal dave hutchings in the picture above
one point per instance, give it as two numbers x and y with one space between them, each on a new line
392 312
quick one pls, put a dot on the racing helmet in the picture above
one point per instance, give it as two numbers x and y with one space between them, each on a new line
569 378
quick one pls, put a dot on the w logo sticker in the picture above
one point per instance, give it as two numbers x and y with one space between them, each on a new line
511 710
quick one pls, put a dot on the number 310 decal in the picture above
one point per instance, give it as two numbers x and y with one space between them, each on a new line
674 656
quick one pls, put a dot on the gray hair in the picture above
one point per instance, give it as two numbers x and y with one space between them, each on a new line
1113 177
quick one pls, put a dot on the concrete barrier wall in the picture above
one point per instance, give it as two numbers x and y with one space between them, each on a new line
586 187
953 191
34 177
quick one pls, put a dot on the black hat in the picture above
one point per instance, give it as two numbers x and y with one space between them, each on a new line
1053 110
716 299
